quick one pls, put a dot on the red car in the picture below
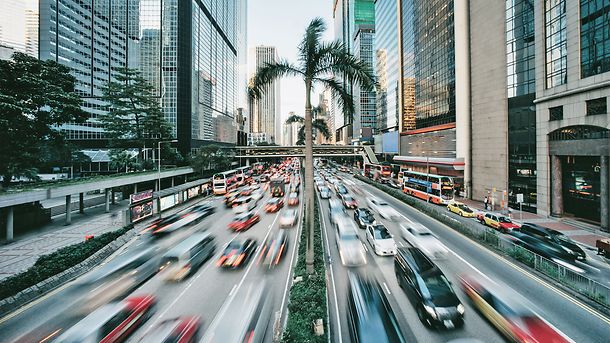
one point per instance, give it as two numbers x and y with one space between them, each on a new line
113 322
349 202
512 318
178 330
293 199
274 205
244 221
497 221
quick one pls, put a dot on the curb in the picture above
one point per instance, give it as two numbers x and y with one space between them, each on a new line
32 293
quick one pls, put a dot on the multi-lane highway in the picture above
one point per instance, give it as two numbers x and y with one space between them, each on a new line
207 293
574 319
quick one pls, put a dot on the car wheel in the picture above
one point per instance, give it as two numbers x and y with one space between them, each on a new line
422 316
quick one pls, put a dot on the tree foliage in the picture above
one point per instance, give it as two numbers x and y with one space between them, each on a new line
319 125
36 97
134 117
211 158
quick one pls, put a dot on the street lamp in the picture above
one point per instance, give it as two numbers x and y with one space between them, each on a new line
159 173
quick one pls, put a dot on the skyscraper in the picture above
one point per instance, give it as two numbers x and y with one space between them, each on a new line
265 111
365 115
19 26
387 68
188 51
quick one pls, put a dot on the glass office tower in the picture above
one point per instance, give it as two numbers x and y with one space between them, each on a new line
188 50
387 64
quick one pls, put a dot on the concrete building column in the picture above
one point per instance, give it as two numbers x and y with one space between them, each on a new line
107 201
462 94
135 188
81 203
68 209
9 223
556 186
172 181
247 162
112 196
604 201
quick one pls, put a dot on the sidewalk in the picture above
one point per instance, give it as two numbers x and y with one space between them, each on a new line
579 231
17 256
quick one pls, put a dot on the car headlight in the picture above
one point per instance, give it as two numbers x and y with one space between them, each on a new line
430 311
460 309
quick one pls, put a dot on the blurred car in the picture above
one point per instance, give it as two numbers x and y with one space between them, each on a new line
461 209
229 200
293 199
274 249
337 210
274 205
516 321
364 217
553 236
542 247
340 189
381 240
287 179
288 218
243 204
187 256
231 193
350 247
383 208
428 289
349 201
263 178
118 277
370 316
325 192
320 184
294 188
498 222
244 319
203 209
244 221
421 237
113 322
257 194
179 330
237 254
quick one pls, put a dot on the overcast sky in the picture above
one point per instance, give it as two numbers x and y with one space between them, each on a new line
281 23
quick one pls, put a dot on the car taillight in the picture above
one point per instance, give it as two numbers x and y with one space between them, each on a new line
239 259
220 261
277 259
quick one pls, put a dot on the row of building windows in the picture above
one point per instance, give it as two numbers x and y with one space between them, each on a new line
593 107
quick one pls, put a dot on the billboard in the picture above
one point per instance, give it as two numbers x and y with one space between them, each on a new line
141 211
390 142
142 196
193 192
169 201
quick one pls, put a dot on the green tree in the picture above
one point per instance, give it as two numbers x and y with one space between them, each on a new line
318 125
319 63
122 160
36 97
212 158
134 117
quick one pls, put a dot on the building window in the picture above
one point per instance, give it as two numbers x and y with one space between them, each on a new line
520 61
594 37
556 43
578 132
596 106
556 113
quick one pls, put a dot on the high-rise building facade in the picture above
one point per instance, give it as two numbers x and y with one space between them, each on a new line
19 26
265 112
387 68
188 51
365 111
343 23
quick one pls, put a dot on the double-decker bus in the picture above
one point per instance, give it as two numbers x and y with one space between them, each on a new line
224 181
433 188
377 170
241 174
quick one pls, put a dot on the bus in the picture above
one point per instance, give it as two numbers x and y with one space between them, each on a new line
222 182
242 173
372 170
433 188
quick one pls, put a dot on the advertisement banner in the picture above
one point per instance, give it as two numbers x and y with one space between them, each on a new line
137 197
141 211
193 192
169 201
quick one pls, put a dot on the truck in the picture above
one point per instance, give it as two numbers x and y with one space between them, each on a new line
276 186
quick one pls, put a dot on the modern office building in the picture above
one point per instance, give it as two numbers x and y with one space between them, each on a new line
188 50
256 138
365 111
343 23
265 112
290 132
19 25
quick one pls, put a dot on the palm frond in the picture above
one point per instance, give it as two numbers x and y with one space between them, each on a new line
295 119
269 73
322 127
344 98
309 44
333 58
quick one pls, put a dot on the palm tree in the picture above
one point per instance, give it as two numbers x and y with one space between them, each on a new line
318 63
318 124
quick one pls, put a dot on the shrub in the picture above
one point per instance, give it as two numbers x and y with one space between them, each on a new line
308 297
54 263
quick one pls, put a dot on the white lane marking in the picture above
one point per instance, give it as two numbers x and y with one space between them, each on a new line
387 289
365 248
332 279
233 290
401 244
292 263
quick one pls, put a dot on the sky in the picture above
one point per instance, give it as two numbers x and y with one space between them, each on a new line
282 23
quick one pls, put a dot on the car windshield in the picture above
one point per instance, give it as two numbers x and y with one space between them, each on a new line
273 201
348 198
293 195
560 236
504 220
382 233
437 285
289 214
464 208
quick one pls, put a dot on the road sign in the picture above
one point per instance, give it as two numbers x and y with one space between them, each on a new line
520 197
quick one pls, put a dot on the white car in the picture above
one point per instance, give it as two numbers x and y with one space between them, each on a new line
350 248
337 210
383 208
288 218
325 193
381 240
422 238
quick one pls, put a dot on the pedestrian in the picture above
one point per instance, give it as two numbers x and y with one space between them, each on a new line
485 202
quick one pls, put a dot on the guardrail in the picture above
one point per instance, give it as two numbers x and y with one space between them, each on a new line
581 284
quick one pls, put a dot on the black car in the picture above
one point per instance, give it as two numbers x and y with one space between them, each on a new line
542 247
203 209
369 315
237 254
553 236
428 289
363 217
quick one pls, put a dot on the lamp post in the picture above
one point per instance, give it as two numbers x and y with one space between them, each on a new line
159 173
